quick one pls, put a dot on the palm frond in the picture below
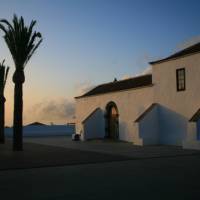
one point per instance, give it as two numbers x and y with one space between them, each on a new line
2 72
33 51
3 76
20 39
2 62
7 23
3 28
6 76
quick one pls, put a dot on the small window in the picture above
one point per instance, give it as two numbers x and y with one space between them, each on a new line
180 79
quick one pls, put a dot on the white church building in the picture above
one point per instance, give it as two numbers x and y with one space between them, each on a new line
161 108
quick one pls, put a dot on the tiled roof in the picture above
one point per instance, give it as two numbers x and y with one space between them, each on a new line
190 50
136 82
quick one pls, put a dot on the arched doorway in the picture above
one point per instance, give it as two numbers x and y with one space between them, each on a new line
112 121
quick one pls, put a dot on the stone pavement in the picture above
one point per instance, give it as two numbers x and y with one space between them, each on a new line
61 151
115 148
38 155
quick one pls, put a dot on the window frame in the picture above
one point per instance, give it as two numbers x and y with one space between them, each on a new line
178 80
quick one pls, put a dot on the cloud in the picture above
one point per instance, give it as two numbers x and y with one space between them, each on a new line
188 43
148 70
126 76
83 87
59 110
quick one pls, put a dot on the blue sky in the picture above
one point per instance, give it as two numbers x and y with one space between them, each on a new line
87 42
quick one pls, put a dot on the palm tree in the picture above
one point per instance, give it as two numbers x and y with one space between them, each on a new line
22 42
3 78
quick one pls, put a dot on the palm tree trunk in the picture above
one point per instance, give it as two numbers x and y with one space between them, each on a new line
18 79
2 119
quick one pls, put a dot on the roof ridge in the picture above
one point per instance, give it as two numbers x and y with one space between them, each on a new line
195 48
114 82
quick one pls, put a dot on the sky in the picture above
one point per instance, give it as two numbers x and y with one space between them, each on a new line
89 42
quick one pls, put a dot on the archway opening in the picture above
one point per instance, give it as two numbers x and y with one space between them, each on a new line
112 121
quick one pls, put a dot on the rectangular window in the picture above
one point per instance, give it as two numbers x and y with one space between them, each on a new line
180 79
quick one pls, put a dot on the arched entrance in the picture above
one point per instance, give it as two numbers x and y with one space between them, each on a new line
112 121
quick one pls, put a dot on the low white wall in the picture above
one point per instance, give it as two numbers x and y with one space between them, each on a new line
149 127
41 131
192 141
94 126
198 130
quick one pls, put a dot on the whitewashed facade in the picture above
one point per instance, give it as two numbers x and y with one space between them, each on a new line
166 122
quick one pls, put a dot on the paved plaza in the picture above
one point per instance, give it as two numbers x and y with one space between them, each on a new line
157 172
114 147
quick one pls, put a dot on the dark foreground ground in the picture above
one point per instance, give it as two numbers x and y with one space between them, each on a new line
38 155
109 177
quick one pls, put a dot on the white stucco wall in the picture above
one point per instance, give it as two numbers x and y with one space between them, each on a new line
130 103
172 127
164 77
183 103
